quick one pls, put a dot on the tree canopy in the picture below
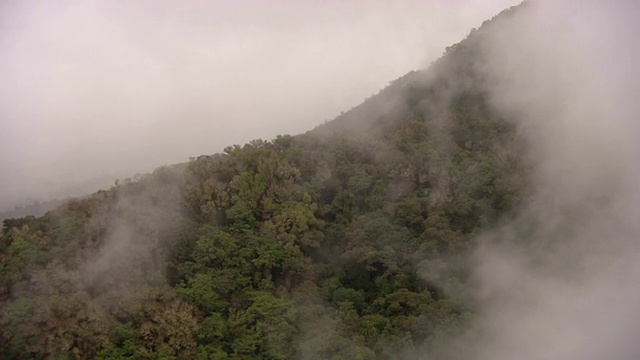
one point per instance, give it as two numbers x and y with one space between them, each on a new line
346 242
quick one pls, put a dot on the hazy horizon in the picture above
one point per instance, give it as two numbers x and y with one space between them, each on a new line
95 90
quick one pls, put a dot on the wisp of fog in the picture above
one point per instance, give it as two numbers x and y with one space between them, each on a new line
560 281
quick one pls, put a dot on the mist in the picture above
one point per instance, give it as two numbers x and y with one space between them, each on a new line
93 91
560 281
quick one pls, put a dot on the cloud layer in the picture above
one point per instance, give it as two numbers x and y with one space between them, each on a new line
96 90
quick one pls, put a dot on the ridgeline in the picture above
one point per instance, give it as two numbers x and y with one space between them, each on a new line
350 241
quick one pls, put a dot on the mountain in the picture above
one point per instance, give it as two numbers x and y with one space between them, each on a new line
350 241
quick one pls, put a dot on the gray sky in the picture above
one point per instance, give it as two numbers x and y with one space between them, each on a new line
105 89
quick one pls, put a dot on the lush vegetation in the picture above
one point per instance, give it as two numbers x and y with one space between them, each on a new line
347 242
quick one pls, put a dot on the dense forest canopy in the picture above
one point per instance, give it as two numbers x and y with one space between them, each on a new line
351 241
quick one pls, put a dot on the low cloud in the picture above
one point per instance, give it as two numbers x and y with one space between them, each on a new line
559 282
98 90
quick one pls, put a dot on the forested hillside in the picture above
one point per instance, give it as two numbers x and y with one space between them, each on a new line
347 242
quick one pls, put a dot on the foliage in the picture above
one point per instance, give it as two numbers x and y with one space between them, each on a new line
322 245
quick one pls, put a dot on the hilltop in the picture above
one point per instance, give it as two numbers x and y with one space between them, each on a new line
350 241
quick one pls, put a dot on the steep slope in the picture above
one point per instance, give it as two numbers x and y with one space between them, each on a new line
347 242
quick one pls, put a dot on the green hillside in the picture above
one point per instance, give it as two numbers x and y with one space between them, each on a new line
348 242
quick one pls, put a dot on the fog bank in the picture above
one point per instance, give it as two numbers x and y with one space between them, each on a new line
560 282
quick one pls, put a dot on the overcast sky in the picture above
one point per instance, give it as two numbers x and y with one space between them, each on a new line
105 89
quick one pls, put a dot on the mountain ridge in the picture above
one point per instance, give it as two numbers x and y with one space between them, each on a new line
350 241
